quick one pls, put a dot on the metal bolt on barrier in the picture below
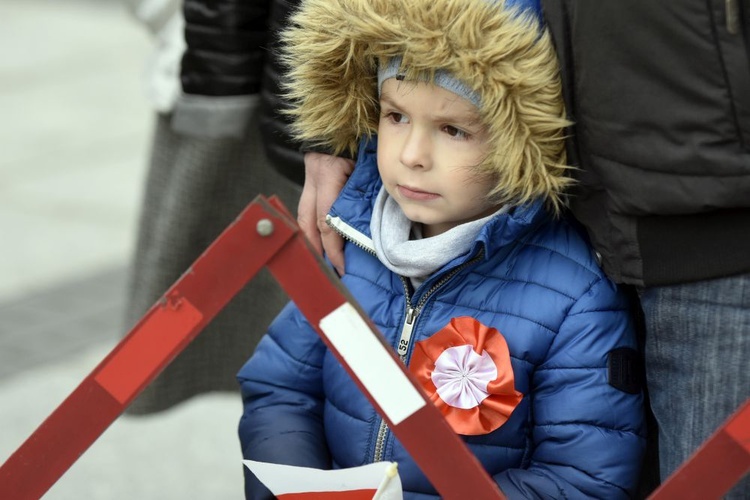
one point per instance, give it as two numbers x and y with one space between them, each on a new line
264 227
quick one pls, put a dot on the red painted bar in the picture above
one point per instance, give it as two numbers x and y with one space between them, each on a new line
716 466
164 331
232 260
58 442
141 353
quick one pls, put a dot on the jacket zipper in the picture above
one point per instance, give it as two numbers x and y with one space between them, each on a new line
340 227
410 318
403 347
407 328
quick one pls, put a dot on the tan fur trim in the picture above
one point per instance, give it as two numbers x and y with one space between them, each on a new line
333 47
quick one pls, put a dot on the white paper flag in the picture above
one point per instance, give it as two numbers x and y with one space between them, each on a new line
377 481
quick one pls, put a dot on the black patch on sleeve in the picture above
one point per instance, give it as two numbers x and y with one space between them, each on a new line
625 371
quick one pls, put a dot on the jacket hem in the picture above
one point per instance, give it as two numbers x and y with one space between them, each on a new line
213 117
687 248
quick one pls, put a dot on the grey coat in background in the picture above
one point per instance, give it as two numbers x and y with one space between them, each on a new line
208 161
195 188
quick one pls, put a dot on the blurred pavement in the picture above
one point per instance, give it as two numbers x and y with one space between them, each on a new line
73 151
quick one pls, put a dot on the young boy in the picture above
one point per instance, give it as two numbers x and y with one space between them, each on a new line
458 249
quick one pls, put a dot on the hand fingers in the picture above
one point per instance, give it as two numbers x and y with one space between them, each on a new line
338 171
333 245
307 218
325 176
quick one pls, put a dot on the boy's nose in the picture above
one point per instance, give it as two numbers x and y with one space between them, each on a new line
416 150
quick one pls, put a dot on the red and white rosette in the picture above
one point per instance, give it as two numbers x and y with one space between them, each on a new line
465 370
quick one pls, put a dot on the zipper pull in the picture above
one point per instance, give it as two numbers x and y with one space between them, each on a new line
403 343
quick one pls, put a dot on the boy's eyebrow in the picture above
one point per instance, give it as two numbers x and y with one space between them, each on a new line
466 118
385 97
469 119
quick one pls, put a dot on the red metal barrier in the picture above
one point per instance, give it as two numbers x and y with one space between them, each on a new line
263 235
716 466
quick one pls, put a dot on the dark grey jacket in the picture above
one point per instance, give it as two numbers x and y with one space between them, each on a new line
660 96
229 69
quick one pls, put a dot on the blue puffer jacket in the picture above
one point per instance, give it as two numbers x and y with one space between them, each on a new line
573 435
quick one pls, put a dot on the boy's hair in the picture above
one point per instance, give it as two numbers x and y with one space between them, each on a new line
333 49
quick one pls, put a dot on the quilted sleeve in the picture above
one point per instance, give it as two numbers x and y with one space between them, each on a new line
282 393
588 436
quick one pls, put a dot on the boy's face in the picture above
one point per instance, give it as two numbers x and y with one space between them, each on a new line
429 143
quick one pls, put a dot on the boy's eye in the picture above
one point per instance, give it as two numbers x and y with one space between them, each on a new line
397 117
455 132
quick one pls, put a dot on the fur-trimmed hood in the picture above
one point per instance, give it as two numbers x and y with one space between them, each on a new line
333 49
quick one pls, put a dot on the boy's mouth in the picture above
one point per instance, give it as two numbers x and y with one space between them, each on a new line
416 194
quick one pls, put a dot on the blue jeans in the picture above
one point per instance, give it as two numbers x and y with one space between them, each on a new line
697 363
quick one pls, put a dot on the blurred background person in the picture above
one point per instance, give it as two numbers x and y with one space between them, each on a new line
71 174
219 141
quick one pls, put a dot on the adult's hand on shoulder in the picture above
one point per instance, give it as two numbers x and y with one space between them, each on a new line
325 176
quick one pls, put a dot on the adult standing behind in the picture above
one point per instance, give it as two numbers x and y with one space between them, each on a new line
658 93
213 89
